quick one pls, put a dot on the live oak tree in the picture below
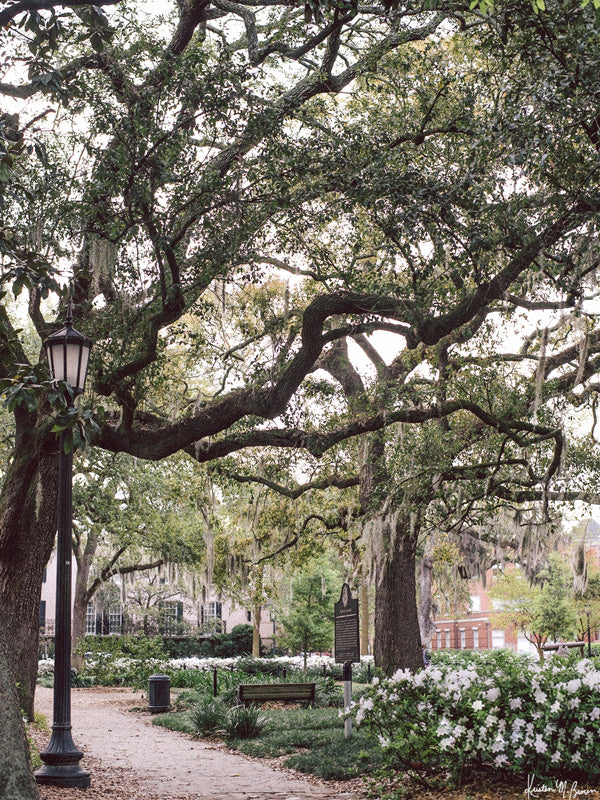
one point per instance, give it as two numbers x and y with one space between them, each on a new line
168 189
202 151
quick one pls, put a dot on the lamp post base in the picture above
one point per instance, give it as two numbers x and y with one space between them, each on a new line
68 776
61 760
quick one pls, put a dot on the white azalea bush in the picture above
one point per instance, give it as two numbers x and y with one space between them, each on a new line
496 710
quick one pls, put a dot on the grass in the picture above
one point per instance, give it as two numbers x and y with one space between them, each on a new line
312 739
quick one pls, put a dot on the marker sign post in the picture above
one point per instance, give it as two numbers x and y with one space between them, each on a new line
347 644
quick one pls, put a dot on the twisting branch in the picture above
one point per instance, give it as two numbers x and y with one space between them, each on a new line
292 492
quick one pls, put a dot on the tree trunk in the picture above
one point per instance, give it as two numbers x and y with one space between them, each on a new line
16 777
397 635
81 595
27 533
257 616
364 613
426 624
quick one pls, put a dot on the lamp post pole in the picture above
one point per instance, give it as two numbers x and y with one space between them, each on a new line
587 613
68 353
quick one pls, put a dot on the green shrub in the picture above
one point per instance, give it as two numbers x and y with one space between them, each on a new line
120 660
244 722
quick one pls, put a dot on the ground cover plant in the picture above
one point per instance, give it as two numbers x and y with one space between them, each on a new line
498 710
312 739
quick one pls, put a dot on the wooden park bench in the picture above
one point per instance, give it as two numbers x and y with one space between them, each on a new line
549 648
276 692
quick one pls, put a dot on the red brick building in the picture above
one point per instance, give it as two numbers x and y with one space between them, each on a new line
479 628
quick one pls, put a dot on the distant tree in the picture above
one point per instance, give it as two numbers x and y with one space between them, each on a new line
308 625
540 611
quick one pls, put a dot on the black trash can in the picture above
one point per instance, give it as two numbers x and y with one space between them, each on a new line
159 693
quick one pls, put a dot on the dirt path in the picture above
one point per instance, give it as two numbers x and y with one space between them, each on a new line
128 757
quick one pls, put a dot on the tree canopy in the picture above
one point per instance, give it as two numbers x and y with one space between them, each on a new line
237 189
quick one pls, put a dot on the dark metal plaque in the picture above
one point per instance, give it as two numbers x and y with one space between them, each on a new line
347 643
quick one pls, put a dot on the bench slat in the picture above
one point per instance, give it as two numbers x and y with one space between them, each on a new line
261 692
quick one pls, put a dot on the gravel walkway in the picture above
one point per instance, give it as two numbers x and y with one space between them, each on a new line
129 758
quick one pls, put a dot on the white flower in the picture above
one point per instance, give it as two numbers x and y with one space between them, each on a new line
574 702
540 745
574 686
555 707
477 705
500 760
519 752
592 679
515 703
578 733
556 756
493 694
595 713
540 697
576 756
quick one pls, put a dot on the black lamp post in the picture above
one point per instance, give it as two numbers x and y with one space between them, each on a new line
68 356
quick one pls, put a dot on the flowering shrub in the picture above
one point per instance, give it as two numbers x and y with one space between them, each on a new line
116 668
498 709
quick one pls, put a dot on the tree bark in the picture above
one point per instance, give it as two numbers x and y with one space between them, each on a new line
81 595
16 778
257 616
27 533
364 613
426 624
397 635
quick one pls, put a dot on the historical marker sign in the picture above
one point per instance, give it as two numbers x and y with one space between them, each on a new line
347 644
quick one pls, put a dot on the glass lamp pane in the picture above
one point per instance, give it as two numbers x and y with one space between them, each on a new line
56 360
77 356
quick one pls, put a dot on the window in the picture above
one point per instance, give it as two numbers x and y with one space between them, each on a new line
90 620
447 634
211 611
42 624
170 616
497 639
248 616
463 639
438 640
115 619
475 603
475 638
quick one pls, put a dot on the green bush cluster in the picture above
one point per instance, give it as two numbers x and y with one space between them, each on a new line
238 642
119 660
